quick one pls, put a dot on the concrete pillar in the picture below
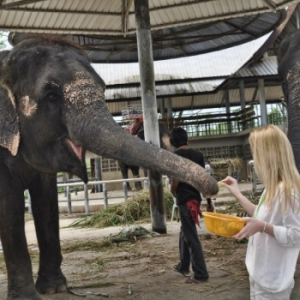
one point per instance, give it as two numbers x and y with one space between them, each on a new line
144 45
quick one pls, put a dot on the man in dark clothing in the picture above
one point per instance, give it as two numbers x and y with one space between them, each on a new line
188 200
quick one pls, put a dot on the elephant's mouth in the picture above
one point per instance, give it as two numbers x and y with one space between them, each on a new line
76 149
77 152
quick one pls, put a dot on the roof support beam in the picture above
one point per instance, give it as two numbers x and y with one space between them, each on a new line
241 27
211 19
270 4
125 13
62 11
18 3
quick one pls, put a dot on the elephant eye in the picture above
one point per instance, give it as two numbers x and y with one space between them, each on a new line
52 96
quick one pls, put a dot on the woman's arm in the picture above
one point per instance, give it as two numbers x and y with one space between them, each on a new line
288 234
231 184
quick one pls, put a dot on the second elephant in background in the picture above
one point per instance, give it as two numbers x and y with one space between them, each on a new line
137 130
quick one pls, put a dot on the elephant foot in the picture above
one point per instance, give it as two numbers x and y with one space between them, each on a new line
24 296
51 284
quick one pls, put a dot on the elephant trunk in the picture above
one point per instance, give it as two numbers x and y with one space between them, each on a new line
101 135
294 113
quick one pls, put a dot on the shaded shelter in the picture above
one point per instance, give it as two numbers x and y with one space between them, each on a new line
121 18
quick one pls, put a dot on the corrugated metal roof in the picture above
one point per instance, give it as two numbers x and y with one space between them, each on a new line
179 27
267 66
200 93
82 16
204 100
215 64
163 90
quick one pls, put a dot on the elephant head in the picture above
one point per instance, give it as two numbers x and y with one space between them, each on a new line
289 71
53 110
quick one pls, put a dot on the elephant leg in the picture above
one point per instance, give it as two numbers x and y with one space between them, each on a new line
12 232
145 172
136 174
43 192
124 171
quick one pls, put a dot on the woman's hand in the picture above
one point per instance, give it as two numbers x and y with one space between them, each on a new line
252 226
231 184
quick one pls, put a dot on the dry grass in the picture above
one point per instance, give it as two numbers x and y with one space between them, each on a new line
134 210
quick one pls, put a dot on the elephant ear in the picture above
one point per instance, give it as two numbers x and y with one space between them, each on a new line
9 121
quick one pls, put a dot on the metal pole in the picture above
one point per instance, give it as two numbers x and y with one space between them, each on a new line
125 189
243 104
29 204
262 102
162 107
242 94
69 200
105 196
146 185
144 43
98 174
227 104
86 199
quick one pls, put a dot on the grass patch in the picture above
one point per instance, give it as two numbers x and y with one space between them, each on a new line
135 210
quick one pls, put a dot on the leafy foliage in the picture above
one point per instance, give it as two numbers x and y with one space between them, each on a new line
3 38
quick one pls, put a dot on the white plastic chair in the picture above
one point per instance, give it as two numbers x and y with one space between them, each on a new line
173 209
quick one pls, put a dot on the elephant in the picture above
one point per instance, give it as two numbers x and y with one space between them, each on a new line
135 170
138 131
289 69
52 110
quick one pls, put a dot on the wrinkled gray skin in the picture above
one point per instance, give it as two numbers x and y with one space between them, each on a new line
52 110
164 139
289 70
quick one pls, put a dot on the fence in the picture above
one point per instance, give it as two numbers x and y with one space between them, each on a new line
105 198
257 185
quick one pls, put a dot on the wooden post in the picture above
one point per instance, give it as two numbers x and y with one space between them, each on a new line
144 43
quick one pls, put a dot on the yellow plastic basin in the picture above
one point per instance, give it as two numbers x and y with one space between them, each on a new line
221 224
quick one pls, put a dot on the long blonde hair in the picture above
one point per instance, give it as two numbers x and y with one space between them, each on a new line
274 164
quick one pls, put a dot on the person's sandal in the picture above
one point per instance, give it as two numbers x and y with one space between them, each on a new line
184 273
191 280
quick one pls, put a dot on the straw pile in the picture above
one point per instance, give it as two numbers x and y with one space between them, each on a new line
135 210
224 167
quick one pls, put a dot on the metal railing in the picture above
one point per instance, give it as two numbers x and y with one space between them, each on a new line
105 198
257 185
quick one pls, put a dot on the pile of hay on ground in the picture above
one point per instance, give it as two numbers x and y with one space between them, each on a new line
224 167
135 210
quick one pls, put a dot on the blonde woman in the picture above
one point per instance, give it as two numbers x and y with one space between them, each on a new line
273 227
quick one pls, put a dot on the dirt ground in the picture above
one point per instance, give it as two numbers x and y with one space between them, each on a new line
143 269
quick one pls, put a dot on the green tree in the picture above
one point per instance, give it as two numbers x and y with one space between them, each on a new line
3 38
275 116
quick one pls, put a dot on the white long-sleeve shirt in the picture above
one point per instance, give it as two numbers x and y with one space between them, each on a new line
271 261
